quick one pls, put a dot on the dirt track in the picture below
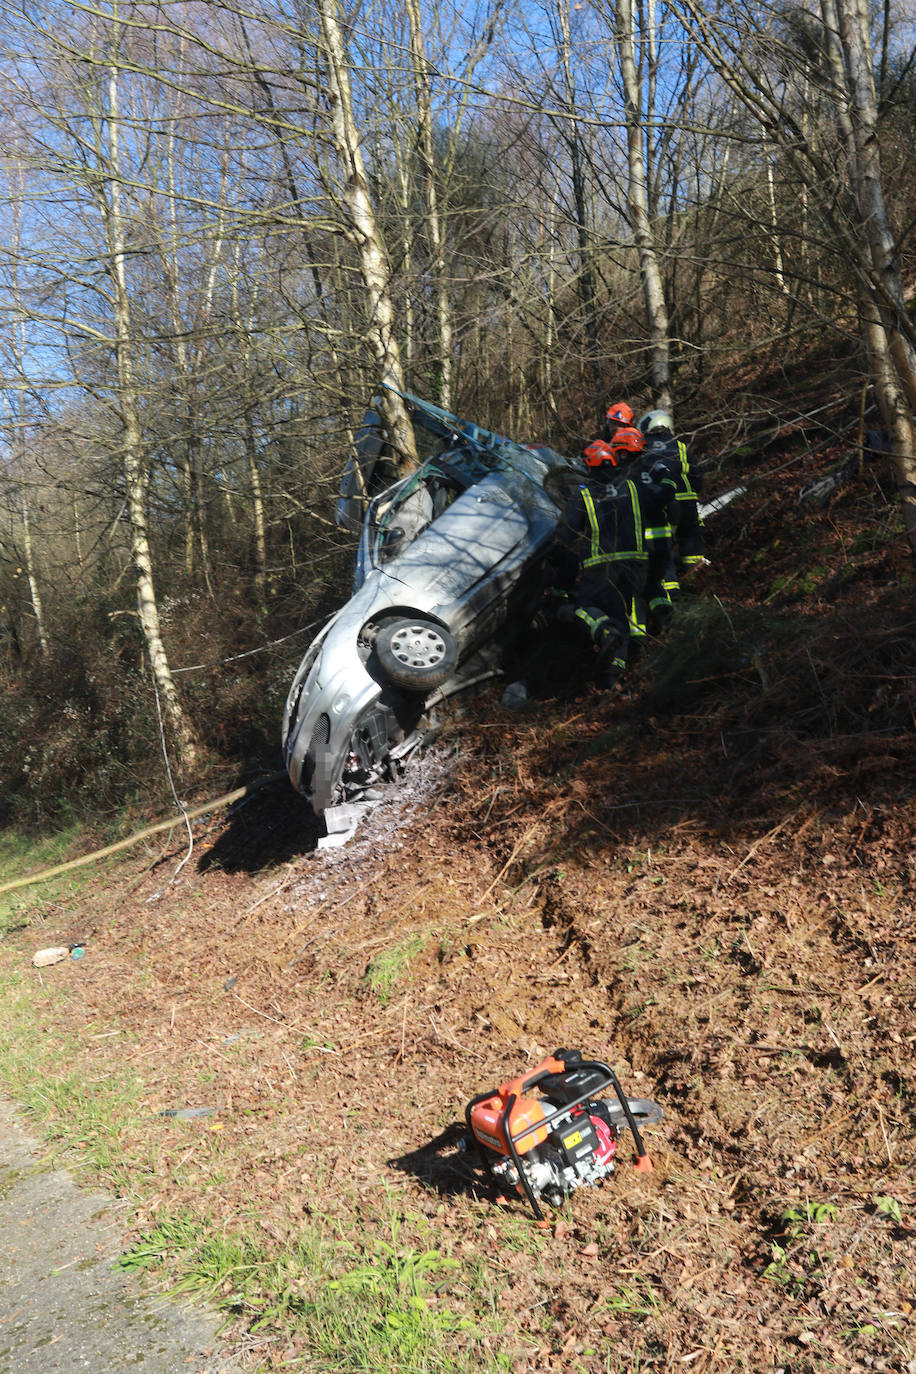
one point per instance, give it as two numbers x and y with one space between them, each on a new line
63 1304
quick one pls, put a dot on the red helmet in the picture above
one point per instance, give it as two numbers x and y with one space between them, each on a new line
627 440
620 413
598 452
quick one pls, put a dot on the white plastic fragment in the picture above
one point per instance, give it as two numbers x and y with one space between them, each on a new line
721 502
52 955
341 823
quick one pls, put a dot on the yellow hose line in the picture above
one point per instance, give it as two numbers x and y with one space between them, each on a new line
143 834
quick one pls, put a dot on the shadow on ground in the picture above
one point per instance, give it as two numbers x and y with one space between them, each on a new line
273 826
443 1165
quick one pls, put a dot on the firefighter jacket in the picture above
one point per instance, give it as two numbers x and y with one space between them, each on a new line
667 460
607 541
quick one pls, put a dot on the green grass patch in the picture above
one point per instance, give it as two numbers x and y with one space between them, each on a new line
386 1301
24 853
387 970
383 1303
91 1118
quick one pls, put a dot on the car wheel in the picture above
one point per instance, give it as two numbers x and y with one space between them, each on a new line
416 655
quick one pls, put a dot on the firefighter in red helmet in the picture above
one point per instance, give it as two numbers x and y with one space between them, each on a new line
602 554
618 416
601 455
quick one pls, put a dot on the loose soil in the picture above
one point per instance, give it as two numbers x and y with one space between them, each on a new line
708 881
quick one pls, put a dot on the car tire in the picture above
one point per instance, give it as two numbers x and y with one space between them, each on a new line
416 655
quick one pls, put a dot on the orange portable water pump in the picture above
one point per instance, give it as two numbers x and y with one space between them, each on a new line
549 1131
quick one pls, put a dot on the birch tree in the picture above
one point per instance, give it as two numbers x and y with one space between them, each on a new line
420 71
70 131
625 32
108 191
364 230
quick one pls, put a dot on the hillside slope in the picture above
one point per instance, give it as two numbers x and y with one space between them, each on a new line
709 881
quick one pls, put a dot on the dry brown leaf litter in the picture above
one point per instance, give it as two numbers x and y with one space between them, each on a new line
717 895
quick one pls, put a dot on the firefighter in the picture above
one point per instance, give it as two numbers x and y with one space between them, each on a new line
618 416
602 556
668 460
627 450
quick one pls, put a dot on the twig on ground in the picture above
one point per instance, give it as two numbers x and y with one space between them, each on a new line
771 834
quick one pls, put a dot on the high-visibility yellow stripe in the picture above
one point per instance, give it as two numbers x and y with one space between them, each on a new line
622 556
592 520
637 553
689 494
637 515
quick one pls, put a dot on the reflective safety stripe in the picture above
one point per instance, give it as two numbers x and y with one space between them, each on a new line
638 553
593 523
622 556
637 626
689 494
595 624
637 515
658 531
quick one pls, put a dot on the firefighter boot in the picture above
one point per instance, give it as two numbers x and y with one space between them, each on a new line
612 661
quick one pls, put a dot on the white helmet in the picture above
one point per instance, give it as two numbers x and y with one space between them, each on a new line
656 419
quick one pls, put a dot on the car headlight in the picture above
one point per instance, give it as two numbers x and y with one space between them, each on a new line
312 665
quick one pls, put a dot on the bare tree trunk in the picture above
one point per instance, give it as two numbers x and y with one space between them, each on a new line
29 560
424 117
134 459
586 275
897 416
189 357
18 335
259 520
367 238
549 399
778 266
888 332
408 330
637 197
257 510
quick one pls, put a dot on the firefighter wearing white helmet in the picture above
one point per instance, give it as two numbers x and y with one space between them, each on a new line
654 420
668 460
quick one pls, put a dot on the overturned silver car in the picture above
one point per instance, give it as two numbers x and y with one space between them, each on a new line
450 564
